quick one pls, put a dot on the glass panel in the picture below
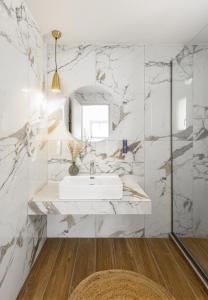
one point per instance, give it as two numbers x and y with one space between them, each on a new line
190 150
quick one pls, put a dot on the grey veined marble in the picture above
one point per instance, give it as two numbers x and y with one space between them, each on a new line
138 79
23 147
190 141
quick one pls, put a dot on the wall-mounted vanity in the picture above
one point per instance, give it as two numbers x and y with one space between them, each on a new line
133 201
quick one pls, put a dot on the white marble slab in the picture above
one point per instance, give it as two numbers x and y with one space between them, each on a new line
23 146
182 88
157 91
92 226
158 187
183 187
47 202
71 226
190 144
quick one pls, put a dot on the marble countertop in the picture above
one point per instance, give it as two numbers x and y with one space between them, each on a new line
134 201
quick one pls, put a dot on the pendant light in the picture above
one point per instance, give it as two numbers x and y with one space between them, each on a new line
56 86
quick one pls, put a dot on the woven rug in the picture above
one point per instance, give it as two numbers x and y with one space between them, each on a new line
119 285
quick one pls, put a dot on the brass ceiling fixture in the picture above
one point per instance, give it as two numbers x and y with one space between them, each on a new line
56 86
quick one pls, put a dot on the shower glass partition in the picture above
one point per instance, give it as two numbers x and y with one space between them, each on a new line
189 146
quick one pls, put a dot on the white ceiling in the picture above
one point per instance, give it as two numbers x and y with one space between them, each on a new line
141 21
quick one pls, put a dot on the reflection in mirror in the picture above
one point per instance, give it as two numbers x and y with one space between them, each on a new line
181 118
95 122
93 113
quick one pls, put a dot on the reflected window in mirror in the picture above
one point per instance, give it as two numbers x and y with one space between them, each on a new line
93 114
95 122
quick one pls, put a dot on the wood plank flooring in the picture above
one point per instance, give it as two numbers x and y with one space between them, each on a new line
63 263
199 249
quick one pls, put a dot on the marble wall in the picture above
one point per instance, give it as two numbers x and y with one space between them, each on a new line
23 144
138 77
200 145
190 141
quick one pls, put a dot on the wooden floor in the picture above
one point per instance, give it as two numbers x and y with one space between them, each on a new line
199 249
63 263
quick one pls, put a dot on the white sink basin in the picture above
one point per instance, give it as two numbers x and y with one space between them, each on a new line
84 188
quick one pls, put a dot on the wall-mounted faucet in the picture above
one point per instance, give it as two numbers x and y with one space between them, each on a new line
92 169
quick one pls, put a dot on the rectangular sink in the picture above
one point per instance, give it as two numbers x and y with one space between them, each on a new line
84 188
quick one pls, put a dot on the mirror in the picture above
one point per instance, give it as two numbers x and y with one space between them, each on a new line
93 114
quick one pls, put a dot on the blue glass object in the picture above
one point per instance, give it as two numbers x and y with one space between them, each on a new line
125 146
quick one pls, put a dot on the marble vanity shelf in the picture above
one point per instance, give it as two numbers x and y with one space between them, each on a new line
47 202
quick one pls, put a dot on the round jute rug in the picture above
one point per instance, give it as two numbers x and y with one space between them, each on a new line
119 285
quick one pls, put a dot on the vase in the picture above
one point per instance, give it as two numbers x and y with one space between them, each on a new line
73 169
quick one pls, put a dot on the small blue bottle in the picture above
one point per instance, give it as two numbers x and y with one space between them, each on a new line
125 146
